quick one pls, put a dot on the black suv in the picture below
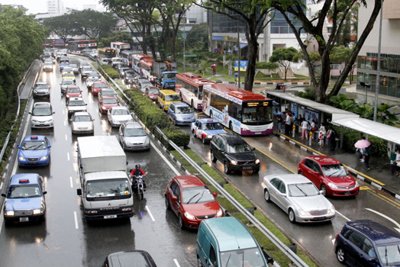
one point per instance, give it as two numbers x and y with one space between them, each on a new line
232 151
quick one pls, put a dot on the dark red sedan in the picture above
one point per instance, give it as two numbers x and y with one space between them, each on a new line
97 86
191 200
152 93
329 175
107 102
73 91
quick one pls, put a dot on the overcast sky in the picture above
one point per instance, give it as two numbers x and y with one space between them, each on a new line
40 6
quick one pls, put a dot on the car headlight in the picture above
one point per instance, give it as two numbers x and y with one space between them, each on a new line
257 161
126 209
9 213
37 211
103 107
234 162
356 185
189 216
44 158
147 141
21 158
331 210
304 213
220 213
332 185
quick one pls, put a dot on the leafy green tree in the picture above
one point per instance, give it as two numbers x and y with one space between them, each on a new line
92 23
115 37
337 11
251 13
314 58
283 56
340 54
203 67
60 25
198 34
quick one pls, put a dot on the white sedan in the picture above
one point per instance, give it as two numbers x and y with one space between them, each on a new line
118 115
82 123
298 197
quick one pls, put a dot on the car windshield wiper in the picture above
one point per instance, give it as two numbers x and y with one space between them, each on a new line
301 190
192 198
200 196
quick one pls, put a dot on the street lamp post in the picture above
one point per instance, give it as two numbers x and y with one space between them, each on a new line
184 43
378 70
238 44
366 86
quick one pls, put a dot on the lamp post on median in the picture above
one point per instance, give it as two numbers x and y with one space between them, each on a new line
378 70
366 86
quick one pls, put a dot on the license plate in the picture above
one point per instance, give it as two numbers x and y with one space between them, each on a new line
348 193
257 133
247 168
110 216
24 219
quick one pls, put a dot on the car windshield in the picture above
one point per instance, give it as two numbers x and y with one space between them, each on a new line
334 170
242 257
172 98
153 92
183 110
169 76
68 75
132 132
94 74
41 86
109 189
76 103
199 194
82 118
238 148
389 254
110 100
120 112
24 191
108 92
33 145
67 82
129 74
73 66
100 85
73 90
41 112
213 126
302 190
93 79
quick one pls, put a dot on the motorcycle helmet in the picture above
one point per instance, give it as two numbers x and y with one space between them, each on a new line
137 166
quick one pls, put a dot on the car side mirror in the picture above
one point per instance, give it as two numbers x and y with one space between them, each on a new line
253 148
48 146
44 192
53 112
79 191
174 198
3 195
92 119
215 194
19 147
30 113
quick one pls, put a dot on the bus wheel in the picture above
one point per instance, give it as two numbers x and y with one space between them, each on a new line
211 114
192 104
230 126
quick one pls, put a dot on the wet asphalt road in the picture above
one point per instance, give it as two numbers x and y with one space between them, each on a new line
66 240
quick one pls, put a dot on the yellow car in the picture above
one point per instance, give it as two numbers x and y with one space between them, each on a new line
69 76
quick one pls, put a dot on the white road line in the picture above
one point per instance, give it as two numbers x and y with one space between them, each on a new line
63 111
386 217
76 220
343 216
151 215
70 180
66 137
68 156
162 156
65 123
176 263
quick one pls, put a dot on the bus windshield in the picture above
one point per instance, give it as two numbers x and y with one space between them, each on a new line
255 114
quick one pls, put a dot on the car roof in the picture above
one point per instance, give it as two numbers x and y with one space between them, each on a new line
76 99
32 177
189 181
42 105
232 138
375 231
180 104
132 124
81 113
231 234
324 160
289 178
35 138
119 107
130 258
109 96
97 82
73 86
41 83
207 120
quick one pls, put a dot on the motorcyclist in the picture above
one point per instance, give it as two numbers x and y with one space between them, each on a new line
135 174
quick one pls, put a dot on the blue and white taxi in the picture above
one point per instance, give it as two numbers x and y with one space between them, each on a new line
34 151
206 128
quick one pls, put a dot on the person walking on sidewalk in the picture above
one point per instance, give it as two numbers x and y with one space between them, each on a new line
288 122
322 134
366 156
397 161
313 127
331 139
304 130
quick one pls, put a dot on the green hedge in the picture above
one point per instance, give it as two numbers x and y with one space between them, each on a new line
110 71
152 116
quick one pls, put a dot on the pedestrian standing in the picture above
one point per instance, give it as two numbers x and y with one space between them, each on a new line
397 161
366 156
393 163
332 139
304 129
322 134
214 69
313 127
287 123
279 121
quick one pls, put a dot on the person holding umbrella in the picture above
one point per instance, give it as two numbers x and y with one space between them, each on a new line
214 66
365 146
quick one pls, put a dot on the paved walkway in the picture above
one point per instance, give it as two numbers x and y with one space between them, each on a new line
379 175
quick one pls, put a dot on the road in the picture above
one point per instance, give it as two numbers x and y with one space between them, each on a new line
65 239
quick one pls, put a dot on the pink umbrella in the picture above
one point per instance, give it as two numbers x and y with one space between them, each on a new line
362 143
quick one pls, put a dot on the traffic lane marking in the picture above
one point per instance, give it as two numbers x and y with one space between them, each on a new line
386 217
151 215
176 263
385 199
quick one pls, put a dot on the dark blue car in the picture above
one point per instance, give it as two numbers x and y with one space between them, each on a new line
25 200
34 151
367 243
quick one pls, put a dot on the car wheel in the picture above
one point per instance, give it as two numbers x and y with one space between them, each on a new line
255 171
300 172
180 221
340 255
292 216
167 203
213 158
267 197
226 167
323 189
199 264
192 104
204 140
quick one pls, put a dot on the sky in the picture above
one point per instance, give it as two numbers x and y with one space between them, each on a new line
40 6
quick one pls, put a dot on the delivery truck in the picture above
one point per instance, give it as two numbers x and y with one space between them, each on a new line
165 73
106 190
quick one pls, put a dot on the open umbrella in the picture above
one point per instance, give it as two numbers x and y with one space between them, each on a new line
362 143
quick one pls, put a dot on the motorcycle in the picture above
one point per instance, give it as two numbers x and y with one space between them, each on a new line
138 185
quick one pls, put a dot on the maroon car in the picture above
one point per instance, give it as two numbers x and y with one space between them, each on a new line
73 91
97 86
329 175
107 102
152 93
191 200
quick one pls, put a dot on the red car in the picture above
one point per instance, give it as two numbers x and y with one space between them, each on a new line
97 86
72 92
152 93
191 200
329 175
107 102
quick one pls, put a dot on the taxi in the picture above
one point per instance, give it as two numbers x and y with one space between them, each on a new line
34 151
24 199
69 76
205 129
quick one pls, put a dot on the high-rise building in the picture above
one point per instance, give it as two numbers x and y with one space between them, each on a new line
55 7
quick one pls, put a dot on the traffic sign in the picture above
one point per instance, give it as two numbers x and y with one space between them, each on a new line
190 55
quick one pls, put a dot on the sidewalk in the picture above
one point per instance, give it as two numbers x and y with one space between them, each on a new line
379 175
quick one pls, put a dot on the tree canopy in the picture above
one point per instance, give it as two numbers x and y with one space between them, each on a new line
283 56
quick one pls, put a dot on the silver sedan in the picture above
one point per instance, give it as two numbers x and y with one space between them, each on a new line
82 123
298 197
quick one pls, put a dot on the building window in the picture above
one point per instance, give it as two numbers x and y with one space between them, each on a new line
192 20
